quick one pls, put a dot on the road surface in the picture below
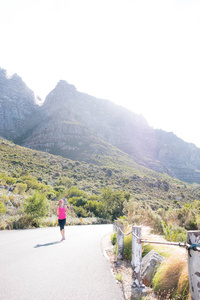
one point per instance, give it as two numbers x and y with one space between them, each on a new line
34 264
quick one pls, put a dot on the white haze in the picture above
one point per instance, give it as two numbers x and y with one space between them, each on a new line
141 54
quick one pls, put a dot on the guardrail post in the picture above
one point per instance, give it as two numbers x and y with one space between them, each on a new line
193 237
120 240
115 227
136 261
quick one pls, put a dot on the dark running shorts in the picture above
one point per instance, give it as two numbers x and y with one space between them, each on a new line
62 223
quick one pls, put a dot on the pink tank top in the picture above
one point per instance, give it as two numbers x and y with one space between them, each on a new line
62 214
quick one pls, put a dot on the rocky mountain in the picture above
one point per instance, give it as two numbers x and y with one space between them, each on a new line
18 110
85 128
78 126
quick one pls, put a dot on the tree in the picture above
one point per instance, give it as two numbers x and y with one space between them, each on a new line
36 207
78 201
113 202
96 208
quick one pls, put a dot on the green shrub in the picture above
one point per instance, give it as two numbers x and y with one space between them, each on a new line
27 222
31 182
22 187
113 238
2 208
2 225
119 277
93 198
10 180
95 207
128 247
175 233
80 211
75 192
113 202
51 196
16 191
4 199
155 221
59 188
78 201
36 207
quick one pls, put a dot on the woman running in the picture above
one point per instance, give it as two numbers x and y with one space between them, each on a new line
62 211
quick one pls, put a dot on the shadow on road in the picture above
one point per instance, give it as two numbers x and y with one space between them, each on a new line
47 244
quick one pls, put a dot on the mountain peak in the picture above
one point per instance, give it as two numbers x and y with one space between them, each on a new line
64 85
17 104
60 96
12 77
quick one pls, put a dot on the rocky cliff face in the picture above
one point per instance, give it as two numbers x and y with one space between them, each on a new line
17 107
81 127
76 124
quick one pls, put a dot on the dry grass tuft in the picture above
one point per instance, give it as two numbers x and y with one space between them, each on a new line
171 278
183 284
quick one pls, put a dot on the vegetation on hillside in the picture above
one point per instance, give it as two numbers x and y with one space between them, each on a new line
115 187
173 222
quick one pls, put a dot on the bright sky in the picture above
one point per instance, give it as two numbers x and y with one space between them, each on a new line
141 54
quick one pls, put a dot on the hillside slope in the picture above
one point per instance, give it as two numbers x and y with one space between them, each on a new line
150 187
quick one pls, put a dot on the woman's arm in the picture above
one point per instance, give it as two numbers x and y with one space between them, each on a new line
57 211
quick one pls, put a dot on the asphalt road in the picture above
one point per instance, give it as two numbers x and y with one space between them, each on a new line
34 264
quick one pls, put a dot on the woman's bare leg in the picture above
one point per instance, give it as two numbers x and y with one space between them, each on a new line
62 233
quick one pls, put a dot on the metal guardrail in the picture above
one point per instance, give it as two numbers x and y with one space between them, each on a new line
193 243
195 247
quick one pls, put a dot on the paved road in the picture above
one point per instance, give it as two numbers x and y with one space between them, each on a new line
35 265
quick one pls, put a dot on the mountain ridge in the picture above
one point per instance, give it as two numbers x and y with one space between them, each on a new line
82 127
